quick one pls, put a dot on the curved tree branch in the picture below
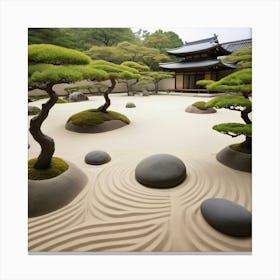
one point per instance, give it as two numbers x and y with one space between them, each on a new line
46 142
107 103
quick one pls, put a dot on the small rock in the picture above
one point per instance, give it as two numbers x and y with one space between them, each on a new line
195 110
97 157
77 96
130 105
227 217
33 110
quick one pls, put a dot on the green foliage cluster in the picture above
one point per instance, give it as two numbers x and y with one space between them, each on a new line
57 167
56 74
239 81
51 54
135 65
235 129
81 38
93 117
204 83
126 51
242 58
228 101
99 87
162 40
200 105
115 71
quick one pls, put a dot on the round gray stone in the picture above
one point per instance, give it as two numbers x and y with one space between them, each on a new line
130 105
77 96
161 171
33 110
195 110
97 157
227 217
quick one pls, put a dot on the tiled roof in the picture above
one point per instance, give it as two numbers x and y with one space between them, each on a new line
195 64
208 44
236 45
196 46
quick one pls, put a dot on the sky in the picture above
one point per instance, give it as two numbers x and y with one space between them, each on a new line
193 34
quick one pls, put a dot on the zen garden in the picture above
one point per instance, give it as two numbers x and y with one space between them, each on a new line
139 141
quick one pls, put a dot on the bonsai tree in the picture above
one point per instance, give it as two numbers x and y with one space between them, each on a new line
101 119
238 82
114 73
128 79
50 65
235 103
155 77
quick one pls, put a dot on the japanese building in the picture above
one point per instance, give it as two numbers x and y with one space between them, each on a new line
201 60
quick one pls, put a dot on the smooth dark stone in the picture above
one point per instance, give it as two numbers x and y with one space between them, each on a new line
235 159
227 217
130 105
77 96
161 171
97 157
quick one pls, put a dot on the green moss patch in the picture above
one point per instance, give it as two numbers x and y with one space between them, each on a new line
200 105
60 101
57 167
241 148
93 117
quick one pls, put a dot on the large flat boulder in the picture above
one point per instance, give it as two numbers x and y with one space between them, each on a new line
227 217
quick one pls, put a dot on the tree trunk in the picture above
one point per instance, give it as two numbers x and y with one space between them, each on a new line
46 142
156 86
247 144
107 103
245 113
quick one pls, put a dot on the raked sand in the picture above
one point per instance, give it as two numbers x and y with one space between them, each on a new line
116 213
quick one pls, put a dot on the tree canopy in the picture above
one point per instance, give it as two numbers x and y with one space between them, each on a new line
81 38
49 65
239 81
242 58
162 40
229 102
126 51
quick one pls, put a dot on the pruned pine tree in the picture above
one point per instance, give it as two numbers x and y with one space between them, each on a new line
49 65
235 103
114 73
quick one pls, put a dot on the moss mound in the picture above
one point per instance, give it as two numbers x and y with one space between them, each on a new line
94 117
200 105
57 167
241 148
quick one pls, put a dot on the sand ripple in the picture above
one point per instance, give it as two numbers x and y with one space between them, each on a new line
116 213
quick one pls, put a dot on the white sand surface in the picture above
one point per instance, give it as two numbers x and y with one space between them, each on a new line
116 213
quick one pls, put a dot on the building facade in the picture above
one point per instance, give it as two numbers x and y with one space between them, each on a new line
202 60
